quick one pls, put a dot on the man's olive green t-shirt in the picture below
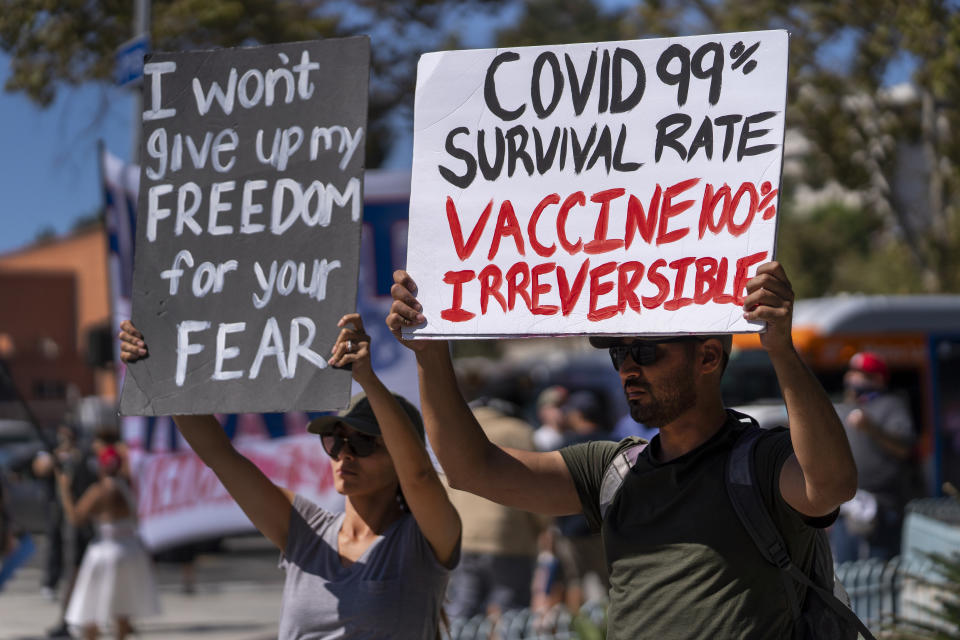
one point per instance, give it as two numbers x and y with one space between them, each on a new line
682 566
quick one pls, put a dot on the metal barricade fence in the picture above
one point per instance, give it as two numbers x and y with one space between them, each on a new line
873 586
522 624
880 594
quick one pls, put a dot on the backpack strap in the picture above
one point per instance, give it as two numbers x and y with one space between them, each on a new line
831 600
755 518
615 474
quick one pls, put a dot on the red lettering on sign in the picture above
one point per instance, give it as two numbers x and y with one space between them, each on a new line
538 289
598 289
663 285
490 281
746 188
518 280
629 275
678 301
706 280
573 199
540 249
456 312
740 279
570 294
671 209
637 222
768 193
600 243
710 202
507 225
719 296
453 219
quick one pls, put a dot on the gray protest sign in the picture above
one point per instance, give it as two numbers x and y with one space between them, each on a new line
248 226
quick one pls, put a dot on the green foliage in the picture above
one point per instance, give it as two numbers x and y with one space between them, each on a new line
587 627
73 41
563 22
52 43
46 233
93 219
840 56
835 249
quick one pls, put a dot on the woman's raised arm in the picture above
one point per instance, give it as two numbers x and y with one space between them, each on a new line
424 493
267 505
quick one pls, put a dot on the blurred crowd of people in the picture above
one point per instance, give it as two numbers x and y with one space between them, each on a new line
514 559
511 559
93 562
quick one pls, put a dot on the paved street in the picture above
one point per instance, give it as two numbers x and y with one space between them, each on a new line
237 598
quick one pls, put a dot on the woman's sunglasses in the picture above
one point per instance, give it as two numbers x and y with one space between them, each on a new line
643 352
361 444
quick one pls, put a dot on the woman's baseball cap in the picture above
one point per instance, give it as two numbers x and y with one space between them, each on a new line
359 415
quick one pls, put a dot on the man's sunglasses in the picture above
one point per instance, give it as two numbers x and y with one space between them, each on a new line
643 352
361 444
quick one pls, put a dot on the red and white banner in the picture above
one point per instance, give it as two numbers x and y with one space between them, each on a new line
181 500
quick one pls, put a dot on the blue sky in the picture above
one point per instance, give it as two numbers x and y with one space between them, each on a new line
48 157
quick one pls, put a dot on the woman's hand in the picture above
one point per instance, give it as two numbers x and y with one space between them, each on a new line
353 348
132 346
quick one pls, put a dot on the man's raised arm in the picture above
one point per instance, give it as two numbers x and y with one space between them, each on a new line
533 481
821 474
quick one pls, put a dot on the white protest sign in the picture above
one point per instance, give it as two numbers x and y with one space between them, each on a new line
620 187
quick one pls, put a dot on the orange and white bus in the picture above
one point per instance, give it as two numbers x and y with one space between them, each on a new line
917 335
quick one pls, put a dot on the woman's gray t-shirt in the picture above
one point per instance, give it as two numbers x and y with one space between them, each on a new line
394 590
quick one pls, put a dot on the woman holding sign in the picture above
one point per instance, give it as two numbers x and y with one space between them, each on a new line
380 568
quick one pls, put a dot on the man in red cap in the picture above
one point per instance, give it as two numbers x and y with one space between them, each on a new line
881 437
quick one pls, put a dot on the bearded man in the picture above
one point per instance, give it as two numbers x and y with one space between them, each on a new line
682 566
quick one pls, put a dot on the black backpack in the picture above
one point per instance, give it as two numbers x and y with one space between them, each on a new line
825 616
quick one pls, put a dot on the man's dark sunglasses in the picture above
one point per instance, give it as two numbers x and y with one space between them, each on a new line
361 444
643 352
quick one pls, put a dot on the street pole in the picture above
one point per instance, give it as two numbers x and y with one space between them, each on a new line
141 27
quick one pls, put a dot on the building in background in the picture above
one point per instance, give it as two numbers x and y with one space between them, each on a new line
55 339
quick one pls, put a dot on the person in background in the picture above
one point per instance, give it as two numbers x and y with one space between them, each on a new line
109 436
499 543
16 546
588 580
380 568
555 585
882 437
585 417
43 466
115 583
549 435
66 542
627 427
